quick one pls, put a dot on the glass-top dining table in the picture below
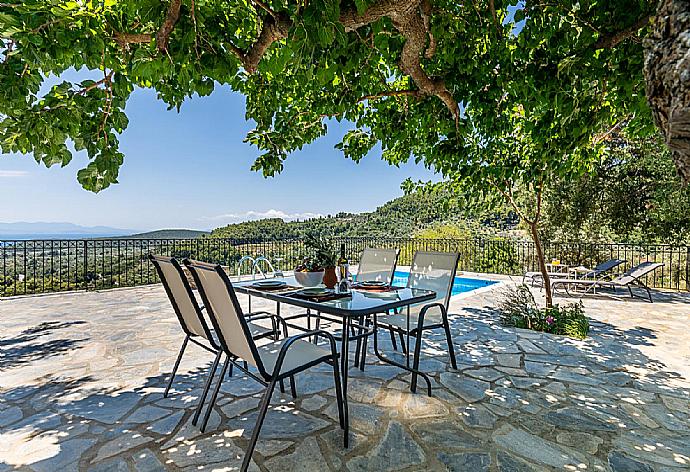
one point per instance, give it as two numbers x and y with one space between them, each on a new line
350 311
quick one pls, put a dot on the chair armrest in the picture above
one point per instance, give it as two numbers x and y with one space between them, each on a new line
258 315
292 339
428 306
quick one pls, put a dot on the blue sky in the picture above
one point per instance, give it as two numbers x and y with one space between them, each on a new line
191 170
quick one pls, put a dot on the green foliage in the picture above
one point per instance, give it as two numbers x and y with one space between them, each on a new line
531 101
519 310
323 250
632 195
499 256
401 217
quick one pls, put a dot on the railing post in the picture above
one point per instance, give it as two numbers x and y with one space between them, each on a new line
86 264
687 268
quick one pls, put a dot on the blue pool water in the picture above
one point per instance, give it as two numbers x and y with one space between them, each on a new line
460 285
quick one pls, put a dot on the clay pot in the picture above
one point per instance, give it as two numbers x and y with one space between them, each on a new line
329 277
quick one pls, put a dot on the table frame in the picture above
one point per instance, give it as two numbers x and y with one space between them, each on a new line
347 316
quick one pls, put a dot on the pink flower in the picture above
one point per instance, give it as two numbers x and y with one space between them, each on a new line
549 320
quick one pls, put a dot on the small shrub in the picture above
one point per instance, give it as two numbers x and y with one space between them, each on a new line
519 309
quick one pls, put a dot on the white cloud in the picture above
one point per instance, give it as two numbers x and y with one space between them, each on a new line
258 215
13 173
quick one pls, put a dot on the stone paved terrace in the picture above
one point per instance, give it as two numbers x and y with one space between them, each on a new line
81 379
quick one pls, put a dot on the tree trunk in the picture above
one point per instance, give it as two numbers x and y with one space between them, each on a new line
534 231
667 76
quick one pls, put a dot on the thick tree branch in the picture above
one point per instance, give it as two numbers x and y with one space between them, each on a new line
125 39
274 29
614 39
171 17
492 9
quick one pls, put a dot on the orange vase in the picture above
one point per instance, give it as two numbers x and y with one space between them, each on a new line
329 277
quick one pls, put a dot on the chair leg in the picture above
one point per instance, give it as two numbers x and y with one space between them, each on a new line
415 360
365 342
212 402
265 402
212 372
177 364
293 387
449 341
358 348
393 341
282 386
342 402
402 342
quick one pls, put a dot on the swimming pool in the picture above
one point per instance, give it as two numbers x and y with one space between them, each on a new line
460 285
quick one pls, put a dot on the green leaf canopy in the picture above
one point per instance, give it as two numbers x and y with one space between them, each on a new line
480 89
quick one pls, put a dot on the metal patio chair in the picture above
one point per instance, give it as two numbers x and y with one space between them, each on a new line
273 362
190 315
431 271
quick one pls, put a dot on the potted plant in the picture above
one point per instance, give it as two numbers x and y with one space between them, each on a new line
325 255
309 273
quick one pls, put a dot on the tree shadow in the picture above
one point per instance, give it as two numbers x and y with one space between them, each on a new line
25 347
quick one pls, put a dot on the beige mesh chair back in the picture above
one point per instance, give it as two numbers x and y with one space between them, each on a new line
377 264
186 308
434 271
181 296
225 312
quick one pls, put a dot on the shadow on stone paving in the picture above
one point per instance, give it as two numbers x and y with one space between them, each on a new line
599 402
23 348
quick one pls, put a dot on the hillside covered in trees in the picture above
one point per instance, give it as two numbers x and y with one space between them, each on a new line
402 217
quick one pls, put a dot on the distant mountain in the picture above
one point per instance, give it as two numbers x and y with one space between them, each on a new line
45 230
169 234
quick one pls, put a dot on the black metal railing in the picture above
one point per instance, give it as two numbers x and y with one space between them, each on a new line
41 266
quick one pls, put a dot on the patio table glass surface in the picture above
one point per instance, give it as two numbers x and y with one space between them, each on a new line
359 303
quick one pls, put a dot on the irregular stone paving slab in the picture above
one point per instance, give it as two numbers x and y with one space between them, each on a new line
268 447
470 390
104 408
307 457
240 406
584 441
509 360
572 419
241 386
445 435
528 347
421 406
672 452
485 373
313 403
622 463
397 450
65 458
215 449
113 465
508 463
147 414
167 425
474 461
364 418
146 461
279 423
125 442
527 382
10 415
537 449
477 416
